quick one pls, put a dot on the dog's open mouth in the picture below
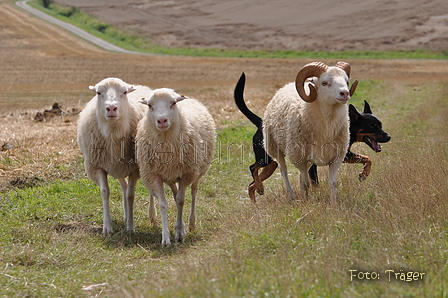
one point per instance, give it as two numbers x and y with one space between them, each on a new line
372 143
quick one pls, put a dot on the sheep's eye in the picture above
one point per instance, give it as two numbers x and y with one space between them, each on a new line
98 93
125 92
150 106
173 104
324 83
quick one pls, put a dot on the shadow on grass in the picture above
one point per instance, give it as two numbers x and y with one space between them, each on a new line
147 238
150 240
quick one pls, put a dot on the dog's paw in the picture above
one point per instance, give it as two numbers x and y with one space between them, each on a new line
361 177
251 192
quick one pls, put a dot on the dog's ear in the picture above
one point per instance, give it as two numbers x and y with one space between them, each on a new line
353 114
367 108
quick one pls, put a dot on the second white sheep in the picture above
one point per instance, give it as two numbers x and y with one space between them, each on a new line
175 143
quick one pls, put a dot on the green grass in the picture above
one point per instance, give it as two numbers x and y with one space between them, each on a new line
133 42
50 242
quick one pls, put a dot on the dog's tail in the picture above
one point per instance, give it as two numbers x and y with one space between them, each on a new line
239 100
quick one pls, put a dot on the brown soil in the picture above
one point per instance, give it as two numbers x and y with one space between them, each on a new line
41 64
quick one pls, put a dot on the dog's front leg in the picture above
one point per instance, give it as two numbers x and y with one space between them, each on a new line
358 158
257 184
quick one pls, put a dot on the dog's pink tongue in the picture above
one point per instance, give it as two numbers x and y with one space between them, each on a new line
376 146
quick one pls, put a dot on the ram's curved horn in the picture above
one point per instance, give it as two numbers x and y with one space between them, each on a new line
353 88
345 67
314 69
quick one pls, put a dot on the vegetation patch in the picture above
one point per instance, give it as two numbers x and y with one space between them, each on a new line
29 181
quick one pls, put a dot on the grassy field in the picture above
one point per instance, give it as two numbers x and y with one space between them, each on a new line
134 42
50 242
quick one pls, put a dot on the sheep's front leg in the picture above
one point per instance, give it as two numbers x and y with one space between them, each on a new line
124 187
180 200
156 188
101 180
130 196
152 210
332 179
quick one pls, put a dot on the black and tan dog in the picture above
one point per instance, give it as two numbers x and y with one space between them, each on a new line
364 127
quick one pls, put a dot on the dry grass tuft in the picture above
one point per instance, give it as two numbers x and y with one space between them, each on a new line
43 151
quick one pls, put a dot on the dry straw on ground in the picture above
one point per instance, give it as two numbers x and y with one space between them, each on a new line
43 151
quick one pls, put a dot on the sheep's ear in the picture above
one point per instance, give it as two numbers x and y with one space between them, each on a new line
143 101
92 88
180 98
130 89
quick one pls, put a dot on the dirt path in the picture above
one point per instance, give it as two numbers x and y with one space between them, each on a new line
73 29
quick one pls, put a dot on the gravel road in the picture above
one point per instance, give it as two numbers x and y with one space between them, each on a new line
75 30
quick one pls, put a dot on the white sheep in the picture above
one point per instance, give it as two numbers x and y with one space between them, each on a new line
310 126
106 130
175 143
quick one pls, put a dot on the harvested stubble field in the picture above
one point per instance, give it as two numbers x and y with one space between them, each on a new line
51 214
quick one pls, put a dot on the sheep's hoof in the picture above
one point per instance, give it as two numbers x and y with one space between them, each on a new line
166 237
293 197
166 242
107 232
180 234
192 225
130 228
